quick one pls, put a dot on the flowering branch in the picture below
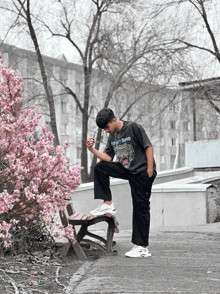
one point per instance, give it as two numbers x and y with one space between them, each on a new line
34 183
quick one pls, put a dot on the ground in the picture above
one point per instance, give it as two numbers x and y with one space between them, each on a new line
40 272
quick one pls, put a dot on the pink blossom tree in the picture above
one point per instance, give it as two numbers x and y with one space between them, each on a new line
35 183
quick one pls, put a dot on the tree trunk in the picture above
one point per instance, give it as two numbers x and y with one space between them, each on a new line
47 89
98 138
84 157
95 159
85 118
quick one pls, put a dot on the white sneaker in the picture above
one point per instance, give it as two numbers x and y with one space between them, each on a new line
104 209
138 251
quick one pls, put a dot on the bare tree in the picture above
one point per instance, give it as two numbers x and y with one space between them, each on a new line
123 48
125 41
201 19
23 11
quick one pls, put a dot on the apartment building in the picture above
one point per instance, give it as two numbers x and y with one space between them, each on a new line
59 72
170 116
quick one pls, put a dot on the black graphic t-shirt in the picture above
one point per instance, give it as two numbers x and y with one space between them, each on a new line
129 146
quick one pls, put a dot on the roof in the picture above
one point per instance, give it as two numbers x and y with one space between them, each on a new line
212 85
59 61
62 57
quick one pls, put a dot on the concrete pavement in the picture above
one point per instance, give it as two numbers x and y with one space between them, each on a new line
184 260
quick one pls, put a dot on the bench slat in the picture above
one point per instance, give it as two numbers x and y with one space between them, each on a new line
78 216
70 209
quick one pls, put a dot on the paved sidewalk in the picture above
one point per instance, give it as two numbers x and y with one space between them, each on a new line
184 260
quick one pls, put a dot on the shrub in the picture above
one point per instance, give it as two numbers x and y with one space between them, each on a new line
35 182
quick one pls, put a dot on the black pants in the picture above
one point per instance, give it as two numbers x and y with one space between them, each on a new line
140 184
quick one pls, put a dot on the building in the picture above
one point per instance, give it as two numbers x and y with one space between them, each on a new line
193 115
59 73
171 117
205 107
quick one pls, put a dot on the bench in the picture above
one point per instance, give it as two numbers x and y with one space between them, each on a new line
79 219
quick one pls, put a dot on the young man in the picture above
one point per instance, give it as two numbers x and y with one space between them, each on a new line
135 163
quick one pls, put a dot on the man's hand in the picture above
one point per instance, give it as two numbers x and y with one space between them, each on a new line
150 172
89 143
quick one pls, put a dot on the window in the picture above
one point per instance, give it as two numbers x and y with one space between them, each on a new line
77 110
162 159
173 141
63 75
186 126
63 129
92 111
63 107
79 151
49 83
173 107
32 66
173 125
49 128
78 132
78 87
199 126
49 69
13 61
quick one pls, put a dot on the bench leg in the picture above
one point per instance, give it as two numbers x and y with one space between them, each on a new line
83 231
77 248
65 249
110 235
79 251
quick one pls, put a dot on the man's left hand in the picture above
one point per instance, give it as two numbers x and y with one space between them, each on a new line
150 172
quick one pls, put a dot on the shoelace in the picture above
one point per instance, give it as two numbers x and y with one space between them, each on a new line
140 248
134 248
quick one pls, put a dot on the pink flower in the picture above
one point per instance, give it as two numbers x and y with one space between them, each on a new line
38 183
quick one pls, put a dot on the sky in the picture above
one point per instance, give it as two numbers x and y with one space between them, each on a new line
209 68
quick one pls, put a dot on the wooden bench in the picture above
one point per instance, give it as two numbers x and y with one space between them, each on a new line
79 219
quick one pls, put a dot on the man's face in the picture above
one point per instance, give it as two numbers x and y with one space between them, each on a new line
111 127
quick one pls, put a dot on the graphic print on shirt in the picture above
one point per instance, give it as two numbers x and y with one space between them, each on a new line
124 154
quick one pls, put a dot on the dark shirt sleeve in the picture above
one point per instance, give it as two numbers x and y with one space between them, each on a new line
141 136
109 150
